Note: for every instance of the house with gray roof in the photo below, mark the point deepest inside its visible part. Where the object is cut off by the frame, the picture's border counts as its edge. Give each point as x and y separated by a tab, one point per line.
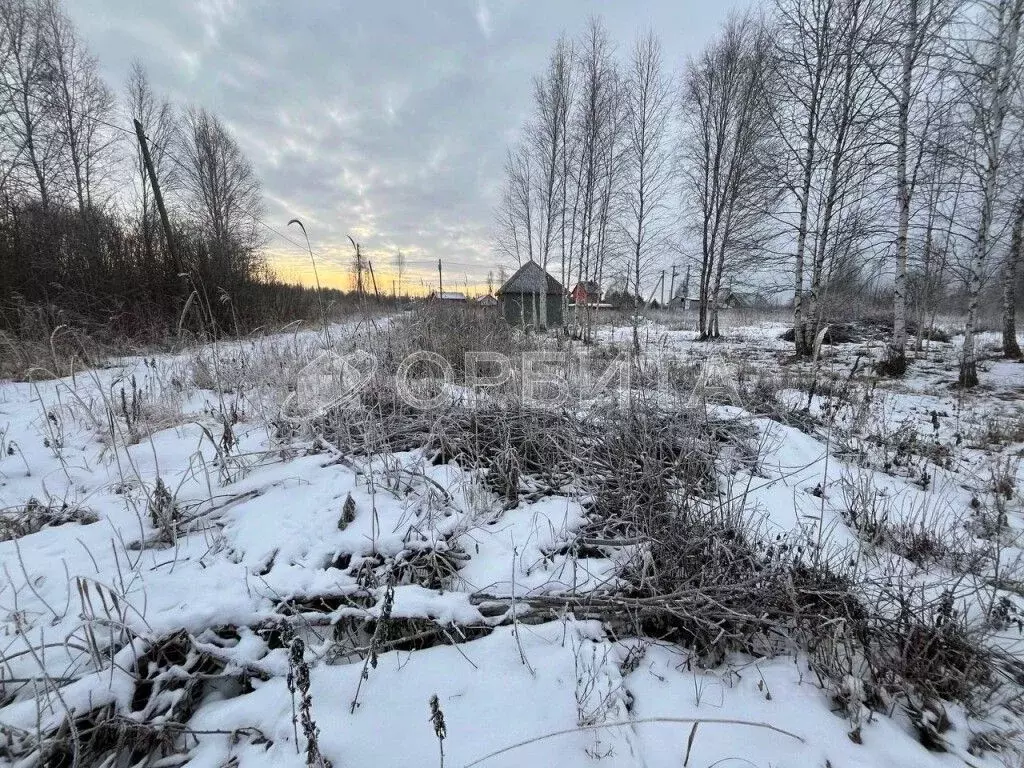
532	297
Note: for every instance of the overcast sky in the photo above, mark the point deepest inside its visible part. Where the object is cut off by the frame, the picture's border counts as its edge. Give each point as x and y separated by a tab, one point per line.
386	120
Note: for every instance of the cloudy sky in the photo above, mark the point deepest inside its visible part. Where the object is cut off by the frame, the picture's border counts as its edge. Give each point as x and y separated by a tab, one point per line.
386	120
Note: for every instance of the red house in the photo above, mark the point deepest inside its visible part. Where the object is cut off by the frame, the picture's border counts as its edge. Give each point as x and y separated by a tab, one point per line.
586	292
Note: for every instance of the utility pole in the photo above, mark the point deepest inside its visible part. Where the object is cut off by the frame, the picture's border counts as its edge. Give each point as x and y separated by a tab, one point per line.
440	281
359	268
376	293
661	284
663	287
672	285
159	198
686	289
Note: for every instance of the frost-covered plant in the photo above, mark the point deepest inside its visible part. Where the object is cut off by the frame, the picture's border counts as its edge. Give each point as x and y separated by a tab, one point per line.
440	729
348	513
298	680
597	696
34	515
381	634
163	511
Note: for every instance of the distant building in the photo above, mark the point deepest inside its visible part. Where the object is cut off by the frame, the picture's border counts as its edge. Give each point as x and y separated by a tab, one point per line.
729	300
735	300
586	292
452	296
532	297
487	301
680	301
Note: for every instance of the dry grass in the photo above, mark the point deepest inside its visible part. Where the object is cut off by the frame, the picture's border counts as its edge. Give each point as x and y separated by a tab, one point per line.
34	515
883	628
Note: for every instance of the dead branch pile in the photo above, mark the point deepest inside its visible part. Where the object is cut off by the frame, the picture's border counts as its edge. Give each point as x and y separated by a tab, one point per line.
695	571
170	677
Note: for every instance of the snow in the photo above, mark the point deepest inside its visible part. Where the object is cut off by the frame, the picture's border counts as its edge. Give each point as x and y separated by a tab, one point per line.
265	531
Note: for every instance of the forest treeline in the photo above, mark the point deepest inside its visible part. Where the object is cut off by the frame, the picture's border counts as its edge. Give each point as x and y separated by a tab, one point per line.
826	150
81	240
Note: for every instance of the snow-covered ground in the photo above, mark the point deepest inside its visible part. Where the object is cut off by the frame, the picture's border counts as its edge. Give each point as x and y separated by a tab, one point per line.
189	527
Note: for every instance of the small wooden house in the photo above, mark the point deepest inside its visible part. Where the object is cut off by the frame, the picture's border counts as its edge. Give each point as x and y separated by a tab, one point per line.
734	300
532	297
448	297
684	302
487	301
586	292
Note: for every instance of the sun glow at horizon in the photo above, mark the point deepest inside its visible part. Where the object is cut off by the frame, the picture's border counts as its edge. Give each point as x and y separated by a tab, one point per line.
415	281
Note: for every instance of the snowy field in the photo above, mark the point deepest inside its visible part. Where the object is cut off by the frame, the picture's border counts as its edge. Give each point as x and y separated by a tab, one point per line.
197	567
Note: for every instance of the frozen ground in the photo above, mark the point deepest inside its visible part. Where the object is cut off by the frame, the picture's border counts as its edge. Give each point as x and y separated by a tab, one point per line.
167	527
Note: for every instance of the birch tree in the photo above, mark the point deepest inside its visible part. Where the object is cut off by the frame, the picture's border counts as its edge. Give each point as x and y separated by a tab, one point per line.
82	106
546	144
727	153
942	185
647	97
596	124
531	211
829	100
28	119
919	25
1011	274
9	152
222	190
993	67
808	64
516	238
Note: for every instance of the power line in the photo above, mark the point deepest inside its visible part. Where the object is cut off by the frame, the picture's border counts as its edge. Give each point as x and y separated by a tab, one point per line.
77	113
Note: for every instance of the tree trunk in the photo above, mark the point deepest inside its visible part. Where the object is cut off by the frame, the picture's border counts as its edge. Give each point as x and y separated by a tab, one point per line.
33	155
716	289
1006	53
925	294
896	364
1011	347
803	348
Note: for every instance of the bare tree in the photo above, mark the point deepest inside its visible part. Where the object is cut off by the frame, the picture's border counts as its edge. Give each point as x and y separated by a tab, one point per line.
222	191
919	25
809	65
728	152
563	180
597	125
1011	268
83	105
546	143
28	118
647	97
569	172
1011	274
941	180
991	73
159	122
830	98
516	220
400	269
9	152
531	208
